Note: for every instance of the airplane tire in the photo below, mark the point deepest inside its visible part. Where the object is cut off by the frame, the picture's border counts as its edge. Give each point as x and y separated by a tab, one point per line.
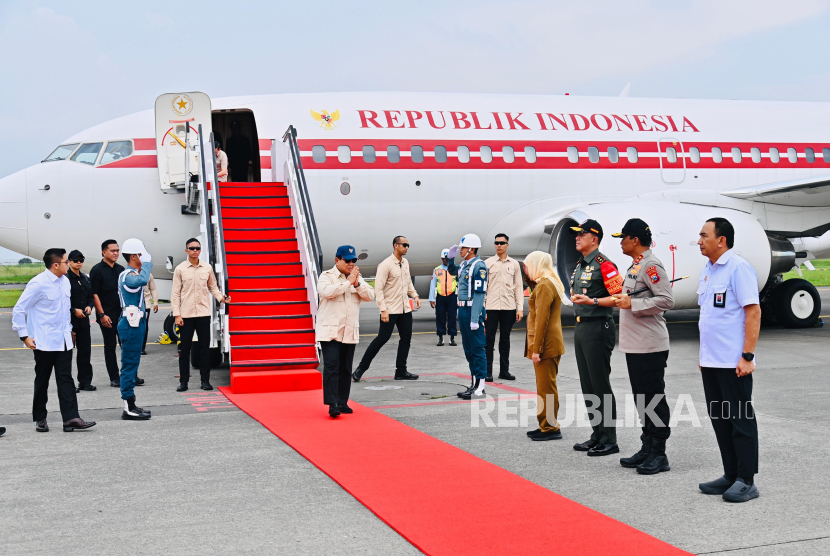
796	303
171	328
216	357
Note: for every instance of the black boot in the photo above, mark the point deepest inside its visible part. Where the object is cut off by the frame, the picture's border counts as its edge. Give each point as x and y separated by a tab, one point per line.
357	374
489	377
452	341
476	390
656	460
132	412
440	340
468	390
640	456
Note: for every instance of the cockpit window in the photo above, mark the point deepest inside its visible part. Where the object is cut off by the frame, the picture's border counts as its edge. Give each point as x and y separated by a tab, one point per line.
116	150
61	153
87	154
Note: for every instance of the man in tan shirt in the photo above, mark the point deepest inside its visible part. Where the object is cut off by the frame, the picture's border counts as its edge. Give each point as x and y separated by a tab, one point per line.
341	290
393	288
193	281
504	304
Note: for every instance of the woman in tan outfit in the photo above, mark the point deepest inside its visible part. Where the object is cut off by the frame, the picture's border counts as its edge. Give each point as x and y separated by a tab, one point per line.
545	344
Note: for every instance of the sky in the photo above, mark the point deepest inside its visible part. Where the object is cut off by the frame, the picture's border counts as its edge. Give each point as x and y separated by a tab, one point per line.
70	64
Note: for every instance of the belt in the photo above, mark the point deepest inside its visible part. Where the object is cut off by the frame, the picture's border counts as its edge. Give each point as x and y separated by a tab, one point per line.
589	319
465	303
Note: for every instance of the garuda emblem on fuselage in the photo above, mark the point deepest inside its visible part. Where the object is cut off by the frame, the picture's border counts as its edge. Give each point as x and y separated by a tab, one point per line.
326	120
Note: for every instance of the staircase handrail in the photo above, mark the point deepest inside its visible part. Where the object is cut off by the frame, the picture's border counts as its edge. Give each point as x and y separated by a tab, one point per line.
204	202
290	137
217	207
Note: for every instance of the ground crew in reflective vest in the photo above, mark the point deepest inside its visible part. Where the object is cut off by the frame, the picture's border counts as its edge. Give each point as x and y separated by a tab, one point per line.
132	323
594	281
443	299
472	288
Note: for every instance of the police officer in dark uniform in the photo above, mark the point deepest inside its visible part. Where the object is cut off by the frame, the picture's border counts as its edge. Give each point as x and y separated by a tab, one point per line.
594	281
81	302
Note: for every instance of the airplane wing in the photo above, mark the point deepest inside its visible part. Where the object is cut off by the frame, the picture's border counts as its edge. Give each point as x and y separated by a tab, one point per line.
804	192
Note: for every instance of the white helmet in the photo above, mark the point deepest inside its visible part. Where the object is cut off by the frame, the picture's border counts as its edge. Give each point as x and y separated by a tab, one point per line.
470	240
445	253
133	246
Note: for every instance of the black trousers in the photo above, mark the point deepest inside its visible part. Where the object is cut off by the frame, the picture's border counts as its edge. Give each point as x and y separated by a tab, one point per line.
146	328
83	345
110	341
403	321
61	361
647	371
729	404
337	371
446	311
202	327
593	343
503	320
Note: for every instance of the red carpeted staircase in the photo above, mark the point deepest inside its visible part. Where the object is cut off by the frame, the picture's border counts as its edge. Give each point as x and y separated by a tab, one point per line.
270	322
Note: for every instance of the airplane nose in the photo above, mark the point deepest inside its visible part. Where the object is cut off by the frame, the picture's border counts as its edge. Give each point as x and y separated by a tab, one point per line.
13	225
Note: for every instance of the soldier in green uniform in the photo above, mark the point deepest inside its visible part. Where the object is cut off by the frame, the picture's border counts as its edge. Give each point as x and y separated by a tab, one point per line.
594	281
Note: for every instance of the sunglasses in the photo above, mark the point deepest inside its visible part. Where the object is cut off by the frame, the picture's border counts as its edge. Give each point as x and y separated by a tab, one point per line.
499	243
349	261
194	248
403	245
78	260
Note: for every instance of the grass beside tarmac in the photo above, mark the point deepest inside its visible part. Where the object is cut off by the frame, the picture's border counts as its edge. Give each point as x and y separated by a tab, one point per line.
19	274
9	297
818	277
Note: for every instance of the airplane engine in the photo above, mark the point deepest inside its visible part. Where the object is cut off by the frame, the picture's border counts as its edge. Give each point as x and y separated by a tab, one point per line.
675	228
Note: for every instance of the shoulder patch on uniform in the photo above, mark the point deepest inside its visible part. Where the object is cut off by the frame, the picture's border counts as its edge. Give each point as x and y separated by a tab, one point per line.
639	258
652	273
600	259
611	277
483	273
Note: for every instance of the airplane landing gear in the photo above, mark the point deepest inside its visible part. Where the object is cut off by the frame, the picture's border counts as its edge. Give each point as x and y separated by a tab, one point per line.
793	303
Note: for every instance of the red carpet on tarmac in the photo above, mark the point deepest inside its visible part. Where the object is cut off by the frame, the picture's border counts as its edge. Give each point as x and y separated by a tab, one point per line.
436	495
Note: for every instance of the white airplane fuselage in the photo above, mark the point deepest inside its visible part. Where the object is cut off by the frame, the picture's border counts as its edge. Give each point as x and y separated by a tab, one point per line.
465	163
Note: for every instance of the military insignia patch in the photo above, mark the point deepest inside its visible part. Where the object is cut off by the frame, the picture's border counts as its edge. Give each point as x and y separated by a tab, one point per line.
483	273
652	273
600	259
638	259
611	277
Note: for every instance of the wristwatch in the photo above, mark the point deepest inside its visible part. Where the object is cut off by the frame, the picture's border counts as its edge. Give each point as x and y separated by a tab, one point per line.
748	356
596	301
23	338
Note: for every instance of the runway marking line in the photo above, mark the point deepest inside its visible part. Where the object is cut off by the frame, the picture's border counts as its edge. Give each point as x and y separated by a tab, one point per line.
433	493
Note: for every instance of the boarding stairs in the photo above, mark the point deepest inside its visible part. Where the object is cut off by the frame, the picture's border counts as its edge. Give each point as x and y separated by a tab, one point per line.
267	257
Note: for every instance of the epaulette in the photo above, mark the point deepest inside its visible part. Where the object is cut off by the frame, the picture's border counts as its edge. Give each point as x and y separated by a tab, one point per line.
600	259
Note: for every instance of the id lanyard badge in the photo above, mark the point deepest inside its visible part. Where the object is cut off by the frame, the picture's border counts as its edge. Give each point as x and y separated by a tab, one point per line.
720	300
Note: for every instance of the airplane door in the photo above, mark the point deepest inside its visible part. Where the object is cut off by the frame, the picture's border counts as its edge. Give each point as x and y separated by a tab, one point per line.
672	160
178	116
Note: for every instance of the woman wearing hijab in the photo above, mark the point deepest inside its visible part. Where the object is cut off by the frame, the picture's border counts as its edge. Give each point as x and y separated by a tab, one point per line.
545	344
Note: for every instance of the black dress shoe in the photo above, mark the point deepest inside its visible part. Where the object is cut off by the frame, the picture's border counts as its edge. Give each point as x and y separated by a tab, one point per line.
488	378
143	352
452	341
604	450
181	387
42	426
531	433
77	424
585	446
357	374
406	376
87	388
115	383
344	408
206	386
440	341
506	376
139	381
550	435
2	431
334	411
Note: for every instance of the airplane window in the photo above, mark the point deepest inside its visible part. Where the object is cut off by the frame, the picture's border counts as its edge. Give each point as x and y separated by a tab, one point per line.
417	153
368	154
530	154
810	154
88	153
318	154
61	153
736	155
463	154
756	155
774	156
694	154
593	154
440	154
344	154
613	155
826	152
486	154
393	154
632	154
508	154
671	155
717	155
573	155
116	150
792	155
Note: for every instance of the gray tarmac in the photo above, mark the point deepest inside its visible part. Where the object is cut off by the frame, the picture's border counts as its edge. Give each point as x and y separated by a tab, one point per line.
201	477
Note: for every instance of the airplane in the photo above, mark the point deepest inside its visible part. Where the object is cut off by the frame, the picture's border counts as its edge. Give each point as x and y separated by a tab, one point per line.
434	167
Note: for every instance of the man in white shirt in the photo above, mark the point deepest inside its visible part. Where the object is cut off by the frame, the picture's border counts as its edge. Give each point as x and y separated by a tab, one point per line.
730	320
41	319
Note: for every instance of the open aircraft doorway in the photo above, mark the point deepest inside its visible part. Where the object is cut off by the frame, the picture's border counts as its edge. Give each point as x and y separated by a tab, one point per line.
236	129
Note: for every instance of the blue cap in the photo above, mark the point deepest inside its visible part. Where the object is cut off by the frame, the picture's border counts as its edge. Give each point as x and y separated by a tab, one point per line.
346	252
